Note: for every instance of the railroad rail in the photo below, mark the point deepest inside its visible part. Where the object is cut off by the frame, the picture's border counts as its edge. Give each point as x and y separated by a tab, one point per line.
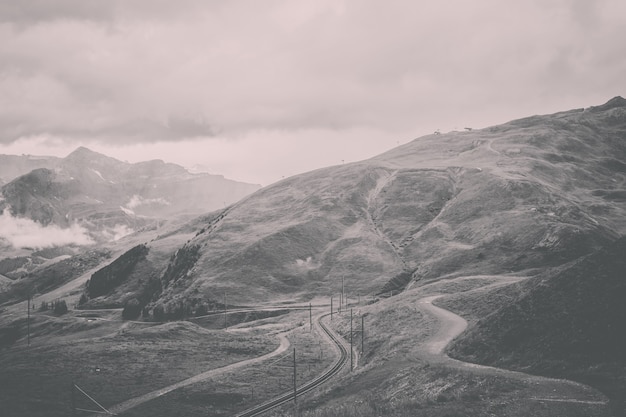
341	347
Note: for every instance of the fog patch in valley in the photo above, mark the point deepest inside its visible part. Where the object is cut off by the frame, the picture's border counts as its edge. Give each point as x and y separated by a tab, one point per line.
25	233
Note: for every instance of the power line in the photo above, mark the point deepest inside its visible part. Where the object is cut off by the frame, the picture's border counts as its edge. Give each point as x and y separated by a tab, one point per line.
104	410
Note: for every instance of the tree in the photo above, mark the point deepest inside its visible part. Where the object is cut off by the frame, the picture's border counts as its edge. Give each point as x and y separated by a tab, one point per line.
60	307
83	299
132	309
158	312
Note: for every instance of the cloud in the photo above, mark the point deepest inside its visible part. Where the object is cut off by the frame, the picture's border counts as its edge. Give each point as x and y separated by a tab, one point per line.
137	200
116	232
148	71
35	11
25	233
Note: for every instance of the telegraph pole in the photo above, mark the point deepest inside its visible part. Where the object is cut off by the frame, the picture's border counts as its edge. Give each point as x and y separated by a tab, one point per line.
343	295
28	319
73	400
331	307
362	335
310	319
294	375
351	360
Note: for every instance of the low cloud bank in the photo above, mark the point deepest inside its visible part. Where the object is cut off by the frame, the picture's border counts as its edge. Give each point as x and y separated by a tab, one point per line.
117	232
138	200
25	233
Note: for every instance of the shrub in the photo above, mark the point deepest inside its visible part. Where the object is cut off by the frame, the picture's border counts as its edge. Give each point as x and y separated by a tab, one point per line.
132	309
60	307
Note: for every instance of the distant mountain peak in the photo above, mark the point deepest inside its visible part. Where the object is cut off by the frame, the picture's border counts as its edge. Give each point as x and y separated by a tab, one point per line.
82	152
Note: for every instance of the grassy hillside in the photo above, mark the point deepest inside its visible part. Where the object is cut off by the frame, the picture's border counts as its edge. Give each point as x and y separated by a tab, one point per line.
48	277
567	324
530	194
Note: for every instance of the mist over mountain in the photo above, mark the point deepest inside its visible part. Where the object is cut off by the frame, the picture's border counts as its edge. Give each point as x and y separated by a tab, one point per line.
104	198
13	166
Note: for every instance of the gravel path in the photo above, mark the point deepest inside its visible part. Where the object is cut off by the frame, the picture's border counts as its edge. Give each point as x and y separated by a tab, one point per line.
451	325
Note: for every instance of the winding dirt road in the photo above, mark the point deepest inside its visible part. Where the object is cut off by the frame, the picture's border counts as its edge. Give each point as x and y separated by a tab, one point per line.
452	325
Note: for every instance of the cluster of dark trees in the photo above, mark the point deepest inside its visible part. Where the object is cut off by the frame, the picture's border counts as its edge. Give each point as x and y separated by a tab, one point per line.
58	307
181	309
106	279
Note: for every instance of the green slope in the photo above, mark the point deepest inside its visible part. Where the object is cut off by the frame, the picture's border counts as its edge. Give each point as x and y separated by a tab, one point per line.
533	193
568	324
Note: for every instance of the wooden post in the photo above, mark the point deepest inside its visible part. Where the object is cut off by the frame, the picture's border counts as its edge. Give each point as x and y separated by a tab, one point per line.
362	335
73	399
28	320
294	375
343	294
351	360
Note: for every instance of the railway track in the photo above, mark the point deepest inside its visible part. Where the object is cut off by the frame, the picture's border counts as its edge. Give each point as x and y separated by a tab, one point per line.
341	347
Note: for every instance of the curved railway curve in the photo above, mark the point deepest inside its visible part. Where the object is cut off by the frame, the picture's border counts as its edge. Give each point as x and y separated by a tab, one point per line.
341	348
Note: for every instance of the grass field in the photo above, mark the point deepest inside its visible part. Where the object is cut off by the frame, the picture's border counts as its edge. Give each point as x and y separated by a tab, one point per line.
240	390
112	361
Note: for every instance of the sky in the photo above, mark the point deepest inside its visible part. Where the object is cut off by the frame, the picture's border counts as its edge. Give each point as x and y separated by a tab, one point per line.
260	90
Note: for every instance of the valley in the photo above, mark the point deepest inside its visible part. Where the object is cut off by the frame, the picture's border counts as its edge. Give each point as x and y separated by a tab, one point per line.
482	270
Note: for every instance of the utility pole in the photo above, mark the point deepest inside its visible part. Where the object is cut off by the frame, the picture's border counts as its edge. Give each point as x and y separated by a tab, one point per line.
28	319
310	319
362	335
343	294
351	360
224	311
294	375
73	400
340	302
331	307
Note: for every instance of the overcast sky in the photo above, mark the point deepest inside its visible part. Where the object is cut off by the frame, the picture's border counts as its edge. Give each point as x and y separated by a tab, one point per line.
256	90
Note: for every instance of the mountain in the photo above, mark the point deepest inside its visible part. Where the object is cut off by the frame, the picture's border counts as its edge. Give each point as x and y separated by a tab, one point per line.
524	196
108	197
517	227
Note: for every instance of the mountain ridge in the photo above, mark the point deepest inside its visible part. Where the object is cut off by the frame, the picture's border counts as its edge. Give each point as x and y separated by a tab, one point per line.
102	194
